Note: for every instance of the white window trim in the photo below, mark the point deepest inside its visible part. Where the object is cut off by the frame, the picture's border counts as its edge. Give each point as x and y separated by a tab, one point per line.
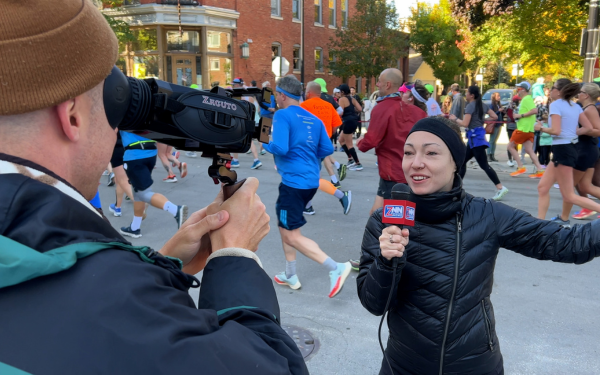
278	10
347	15
299	19
299	56
319	24
218	60
334	14
322	70
277	17
320	20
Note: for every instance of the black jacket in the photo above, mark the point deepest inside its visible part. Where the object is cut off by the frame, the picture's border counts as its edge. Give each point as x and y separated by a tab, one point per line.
113	313
441	319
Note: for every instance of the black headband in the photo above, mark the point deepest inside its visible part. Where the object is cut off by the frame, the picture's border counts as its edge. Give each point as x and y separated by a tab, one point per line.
449	136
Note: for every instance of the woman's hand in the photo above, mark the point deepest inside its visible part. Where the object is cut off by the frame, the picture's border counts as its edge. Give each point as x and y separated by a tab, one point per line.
452	117
392	242
538	126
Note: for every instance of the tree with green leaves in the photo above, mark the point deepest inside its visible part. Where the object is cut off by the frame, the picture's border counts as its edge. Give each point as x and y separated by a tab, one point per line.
371	43
434	33
120	27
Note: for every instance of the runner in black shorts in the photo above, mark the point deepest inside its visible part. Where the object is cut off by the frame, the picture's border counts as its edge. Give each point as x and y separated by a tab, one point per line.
121	180
588	154
140	158
385	188
567	121
350	123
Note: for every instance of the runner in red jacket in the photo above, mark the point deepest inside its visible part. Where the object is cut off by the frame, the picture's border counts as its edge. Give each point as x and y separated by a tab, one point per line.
391	120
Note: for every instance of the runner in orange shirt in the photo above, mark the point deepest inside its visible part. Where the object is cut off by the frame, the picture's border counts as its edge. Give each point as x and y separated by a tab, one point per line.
331	120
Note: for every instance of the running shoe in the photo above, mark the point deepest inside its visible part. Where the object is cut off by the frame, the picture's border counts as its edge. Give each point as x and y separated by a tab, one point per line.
336	184
127	231
263	152
556	186
511	163
183	169
592	197
191	154
338	277
584	214
500	193
182	215
356	167
519	171
115	210
175	154
105	173
342	171
292	282
563	223
257	164
309	211
355	264
170	179
111	179
346	201
127	198
350	163
537	174
249	151
235	164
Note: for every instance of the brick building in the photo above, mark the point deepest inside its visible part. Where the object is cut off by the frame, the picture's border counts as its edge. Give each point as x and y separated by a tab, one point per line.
214	32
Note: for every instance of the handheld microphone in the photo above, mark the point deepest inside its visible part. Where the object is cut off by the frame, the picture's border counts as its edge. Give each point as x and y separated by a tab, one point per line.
398	211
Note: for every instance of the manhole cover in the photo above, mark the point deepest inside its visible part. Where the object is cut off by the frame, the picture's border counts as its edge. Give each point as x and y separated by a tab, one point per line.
307	344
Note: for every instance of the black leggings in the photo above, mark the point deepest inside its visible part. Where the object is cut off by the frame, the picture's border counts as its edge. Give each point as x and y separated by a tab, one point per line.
481	157
510	132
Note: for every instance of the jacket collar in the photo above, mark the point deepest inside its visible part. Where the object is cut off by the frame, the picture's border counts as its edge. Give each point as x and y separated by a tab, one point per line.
14	165
439	207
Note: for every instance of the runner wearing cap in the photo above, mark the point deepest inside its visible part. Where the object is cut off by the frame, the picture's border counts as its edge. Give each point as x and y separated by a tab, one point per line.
524	135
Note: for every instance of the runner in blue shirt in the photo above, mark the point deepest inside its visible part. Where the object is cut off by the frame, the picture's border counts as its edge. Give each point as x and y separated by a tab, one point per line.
299	143
139	160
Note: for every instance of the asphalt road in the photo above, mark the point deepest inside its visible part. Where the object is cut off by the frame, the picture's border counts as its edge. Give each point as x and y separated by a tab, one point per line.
546	313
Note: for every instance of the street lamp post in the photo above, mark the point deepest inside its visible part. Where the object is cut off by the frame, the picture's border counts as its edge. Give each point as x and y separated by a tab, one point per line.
591	51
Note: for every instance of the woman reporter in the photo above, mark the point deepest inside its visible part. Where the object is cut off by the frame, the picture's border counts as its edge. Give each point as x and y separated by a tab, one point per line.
441	318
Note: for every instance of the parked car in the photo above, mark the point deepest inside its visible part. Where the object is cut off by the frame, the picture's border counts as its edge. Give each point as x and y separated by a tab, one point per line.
505	96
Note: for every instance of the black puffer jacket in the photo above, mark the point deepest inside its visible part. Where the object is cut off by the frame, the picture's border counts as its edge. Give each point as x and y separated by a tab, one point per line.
441	318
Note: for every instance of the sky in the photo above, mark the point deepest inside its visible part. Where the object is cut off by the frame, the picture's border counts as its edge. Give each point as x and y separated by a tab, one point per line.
403	6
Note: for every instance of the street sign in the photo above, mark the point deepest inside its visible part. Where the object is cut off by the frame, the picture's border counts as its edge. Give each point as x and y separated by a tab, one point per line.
280	66
479	77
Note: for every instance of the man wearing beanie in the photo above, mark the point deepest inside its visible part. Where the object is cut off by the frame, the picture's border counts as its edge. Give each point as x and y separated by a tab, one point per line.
75	297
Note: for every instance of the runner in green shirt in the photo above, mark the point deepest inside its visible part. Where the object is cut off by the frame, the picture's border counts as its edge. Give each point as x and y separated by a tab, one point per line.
524	135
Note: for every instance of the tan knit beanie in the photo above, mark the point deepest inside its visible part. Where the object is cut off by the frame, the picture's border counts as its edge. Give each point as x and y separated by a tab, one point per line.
51	51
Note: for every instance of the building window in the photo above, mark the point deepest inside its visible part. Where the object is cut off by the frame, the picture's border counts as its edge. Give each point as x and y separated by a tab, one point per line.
220	71
215	64
332	12
189	42
276	8
218	41
296	9
344	13
318	59
145	40
275	51
318	12
296	57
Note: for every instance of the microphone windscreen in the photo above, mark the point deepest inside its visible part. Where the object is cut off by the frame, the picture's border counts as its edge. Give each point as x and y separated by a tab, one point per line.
400	192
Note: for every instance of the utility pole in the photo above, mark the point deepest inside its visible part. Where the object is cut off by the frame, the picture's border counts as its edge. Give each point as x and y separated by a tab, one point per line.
591	50
302	40
499	75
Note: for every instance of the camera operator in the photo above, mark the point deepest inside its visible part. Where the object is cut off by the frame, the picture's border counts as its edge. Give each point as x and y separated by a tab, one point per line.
442	319
75	297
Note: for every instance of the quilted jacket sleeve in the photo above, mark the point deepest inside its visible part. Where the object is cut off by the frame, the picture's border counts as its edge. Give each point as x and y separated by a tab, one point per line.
544	240
375	277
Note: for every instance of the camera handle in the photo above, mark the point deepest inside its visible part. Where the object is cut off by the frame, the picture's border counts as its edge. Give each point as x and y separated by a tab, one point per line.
220	171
